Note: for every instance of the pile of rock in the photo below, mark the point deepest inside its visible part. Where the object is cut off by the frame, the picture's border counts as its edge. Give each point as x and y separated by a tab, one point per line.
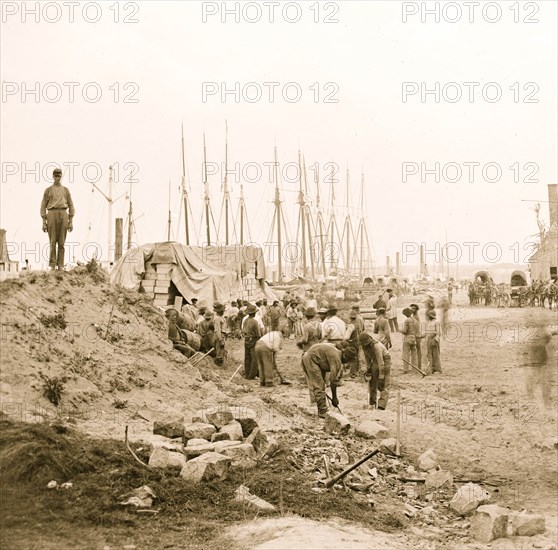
217	439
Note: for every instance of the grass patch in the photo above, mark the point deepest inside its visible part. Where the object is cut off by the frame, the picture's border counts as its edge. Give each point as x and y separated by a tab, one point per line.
103	472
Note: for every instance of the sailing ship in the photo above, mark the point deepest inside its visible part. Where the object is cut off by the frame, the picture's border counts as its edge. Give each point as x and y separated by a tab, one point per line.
320	250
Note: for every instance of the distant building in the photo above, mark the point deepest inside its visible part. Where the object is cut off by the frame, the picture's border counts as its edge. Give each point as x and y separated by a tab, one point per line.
8	268
544	262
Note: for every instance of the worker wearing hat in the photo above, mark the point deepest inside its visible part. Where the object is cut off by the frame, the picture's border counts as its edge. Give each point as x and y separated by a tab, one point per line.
420	337
352	332
319	360
381	328
391	311
57	211
180	333
378	372
274	315
333	328
206	330
252	333
311	330
410	331
221	332
433	333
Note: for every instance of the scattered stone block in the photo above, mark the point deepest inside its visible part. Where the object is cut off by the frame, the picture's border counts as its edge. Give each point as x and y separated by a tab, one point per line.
218	416
207	467
142	497
248	425
388	446
170	426
265	445
428	511
240	412
220	436
164	442
336	424
410	510
438	479
428	460
198	430
163	458
198	450
242	494
489	522
371	430
196	442
549	444
221	445
234	429
243	455
468	498
527	525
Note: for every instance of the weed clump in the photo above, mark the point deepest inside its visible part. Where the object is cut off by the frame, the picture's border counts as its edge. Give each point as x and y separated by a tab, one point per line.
53	387
53	321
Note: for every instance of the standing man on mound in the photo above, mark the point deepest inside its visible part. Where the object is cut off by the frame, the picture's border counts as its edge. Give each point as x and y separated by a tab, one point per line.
57	211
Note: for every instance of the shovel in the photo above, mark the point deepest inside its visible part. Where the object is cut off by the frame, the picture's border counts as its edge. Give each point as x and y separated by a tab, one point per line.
331	400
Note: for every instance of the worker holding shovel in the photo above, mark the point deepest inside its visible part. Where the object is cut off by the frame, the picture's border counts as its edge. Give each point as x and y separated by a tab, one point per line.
319	360
378	373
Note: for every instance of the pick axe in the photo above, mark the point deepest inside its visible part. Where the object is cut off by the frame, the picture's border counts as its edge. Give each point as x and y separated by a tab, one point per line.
416	368
333	480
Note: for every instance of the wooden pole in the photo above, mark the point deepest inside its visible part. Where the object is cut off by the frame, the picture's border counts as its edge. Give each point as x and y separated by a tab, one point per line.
118	224
398	425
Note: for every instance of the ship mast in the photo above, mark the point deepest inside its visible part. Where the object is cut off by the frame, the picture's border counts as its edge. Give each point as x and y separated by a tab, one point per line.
347	230
206	194
320	221
226	193
185	193
333	229
302	216
362	235
309	223
169	221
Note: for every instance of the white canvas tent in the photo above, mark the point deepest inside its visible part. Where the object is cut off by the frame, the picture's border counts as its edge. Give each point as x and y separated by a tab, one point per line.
213	273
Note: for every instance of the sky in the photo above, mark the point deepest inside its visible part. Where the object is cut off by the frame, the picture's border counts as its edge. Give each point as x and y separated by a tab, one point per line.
356	75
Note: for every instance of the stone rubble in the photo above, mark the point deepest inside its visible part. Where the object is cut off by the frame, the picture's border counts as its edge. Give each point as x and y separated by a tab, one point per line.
336	424
169	426
234	429
243	456
371	430
428	460
198	430
527	525
439	478
218	416
468	498
489	522
142	497
164	458
207	467
243	495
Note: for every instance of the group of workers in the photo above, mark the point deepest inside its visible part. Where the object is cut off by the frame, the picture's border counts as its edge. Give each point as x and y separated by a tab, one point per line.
329	345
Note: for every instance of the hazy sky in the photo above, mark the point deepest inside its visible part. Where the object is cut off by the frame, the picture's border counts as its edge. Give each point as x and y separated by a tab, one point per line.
363	61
